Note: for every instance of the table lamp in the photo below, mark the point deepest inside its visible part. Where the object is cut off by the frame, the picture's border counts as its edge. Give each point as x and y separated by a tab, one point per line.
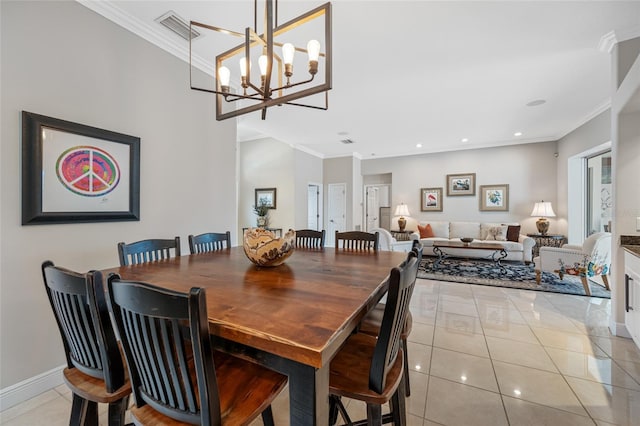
402	210
543	210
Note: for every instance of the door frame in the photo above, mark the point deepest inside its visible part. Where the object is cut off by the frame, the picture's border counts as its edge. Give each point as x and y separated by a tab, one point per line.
320	204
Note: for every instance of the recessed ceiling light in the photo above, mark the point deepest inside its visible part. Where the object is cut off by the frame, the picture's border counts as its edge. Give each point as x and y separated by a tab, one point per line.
464	140
418	145
537	102
517	134
343	133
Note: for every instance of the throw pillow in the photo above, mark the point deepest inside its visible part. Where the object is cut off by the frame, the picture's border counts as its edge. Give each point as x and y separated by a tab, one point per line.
497	233
425	231
513	233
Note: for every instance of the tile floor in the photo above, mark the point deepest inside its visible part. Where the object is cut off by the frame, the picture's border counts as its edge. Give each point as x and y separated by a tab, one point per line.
485	356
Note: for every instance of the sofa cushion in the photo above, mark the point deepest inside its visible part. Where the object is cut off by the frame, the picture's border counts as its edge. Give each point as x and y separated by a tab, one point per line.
497	233
513	233
484	228
425	231
440	229
464	229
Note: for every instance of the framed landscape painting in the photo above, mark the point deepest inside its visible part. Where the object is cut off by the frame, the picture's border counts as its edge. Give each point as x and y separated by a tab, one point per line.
431	199
494	198
461	184
76	173
266	196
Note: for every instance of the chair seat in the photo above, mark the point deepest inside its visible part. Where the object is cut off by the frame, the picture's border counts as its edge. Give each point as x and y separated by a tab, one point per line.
350	368
91	388
370	324
251	386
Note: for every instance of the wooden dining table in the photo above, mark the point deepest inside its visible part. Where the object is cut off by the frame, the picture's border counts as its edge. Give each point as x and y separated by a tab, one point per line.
292	318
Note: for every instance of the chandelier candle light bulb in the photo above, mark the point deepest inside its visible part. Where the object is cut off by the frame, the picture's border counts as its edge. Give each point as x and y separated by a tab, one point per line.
225	76
313	49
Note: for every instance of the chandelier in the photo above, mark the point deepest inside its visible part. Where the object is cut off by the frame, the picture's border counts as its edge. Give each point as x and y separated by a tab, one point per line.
240	88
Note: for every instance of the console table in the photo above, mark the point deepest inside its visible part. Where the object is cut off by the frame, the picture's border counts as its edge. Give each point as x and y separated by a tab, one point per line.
277	231
546	240
401	235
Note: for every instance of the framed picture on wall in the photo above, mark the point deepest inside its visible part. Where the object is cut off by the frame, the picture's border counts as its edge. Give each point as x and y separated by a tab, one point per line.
461	184
494	198
266	196
76	173
431	199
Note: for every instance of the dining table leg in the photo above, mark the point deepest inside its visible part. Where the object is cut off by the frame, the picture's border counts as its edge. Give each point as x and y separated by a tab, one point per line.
308	385
309	395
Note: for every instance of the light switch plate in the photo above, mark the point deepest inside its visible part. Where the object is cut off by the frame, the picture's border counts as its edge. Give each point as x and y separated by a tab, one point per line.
638	224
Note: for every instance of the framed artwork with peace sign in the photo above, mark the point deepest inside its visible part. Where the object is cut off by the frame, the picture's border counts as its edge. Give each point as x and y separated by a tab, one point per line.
77	173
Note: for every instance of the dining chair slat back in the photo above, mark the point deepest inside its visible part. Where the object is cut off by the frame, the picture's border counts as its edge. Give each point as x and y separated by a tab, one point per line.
401	284
357	241
373	320
147	251
310	239
95	371
175	373
368	368
210	241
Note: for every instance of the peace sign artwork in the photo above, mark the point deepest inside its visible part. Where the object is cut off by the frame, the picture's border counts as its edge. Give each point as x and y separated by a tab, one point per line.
77	173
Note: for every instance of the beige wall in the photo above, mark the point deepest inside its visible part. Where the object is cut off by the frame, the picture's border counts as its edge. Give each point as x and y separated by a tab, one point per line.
528	169
266	163
62	60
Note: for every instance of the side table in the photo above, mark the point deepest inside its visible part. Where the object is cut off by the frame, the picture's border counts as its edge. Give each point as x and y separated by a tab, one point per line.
401	235
546	240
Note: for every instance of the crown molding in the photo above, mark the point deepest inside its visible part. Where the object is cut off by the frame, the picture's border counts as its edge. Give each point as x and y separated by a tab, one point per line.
141	29
609	40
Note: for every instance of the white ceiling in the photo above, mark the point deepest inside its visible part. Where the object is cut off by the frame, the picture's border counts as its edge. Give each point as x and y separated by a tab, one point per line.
430	73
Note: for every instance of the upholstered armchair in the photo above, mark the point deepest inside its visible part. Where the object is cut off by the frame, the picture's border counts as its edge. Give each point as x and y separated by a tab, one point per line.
591	259
386	240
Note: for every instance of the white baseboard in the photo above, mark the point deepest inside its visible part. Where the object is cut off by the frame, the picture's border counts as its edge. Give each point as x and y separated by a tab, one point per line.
619	329
33	386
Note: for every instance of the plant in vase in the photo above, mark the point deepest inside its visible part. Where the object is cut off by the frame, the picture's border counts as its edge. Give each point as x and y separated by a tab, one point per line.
262	211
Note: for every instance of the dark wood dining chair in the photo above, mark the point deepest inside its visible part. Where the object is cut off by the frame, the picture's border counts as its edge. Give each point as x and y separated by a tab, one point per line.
95	371
176	376
309	238
373	321
369	368
357	241
147	251
211	241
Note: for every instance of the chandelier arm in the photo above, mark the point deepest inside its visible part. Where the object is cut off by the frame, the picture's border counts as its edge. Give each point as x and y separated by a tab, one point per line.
326	103
324	108
254	96
287	86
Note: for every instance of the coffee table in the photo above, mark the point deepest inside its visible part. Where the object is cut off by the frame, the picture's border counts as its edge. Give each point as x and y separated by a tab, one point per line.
446	249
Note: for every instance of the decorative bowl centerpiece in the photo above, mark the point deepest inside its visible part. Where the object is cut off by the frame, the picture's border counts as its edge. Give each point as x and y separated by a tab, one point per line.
264	249
466	240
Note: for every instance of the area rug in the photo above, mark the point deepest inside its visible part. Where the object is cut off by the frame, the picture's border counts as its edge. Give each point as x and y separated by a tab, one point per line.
514	275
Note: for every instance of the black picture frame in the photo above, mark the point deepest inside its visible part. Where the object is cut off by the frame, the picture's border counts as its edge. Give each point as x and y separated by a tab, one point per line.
93	205
268	195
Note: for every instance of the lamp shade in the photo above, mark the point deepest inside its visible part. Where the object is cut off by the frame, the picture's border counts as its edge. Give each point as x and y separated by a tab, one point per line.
402	210
543	209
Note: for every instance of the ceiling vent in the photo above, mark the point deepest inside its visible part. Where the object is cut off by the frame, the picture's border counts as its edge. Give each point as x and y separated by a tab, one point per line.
178	25
347	141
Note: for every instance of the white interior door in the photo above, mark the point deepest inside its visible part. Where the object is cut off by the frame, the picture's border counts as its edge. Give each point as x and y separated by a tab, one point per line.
372	209
336	210
313	208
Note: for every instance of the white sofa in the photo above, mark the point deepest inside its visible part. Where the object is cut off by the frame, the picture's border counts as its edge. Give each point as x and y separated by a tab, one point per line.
520	250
